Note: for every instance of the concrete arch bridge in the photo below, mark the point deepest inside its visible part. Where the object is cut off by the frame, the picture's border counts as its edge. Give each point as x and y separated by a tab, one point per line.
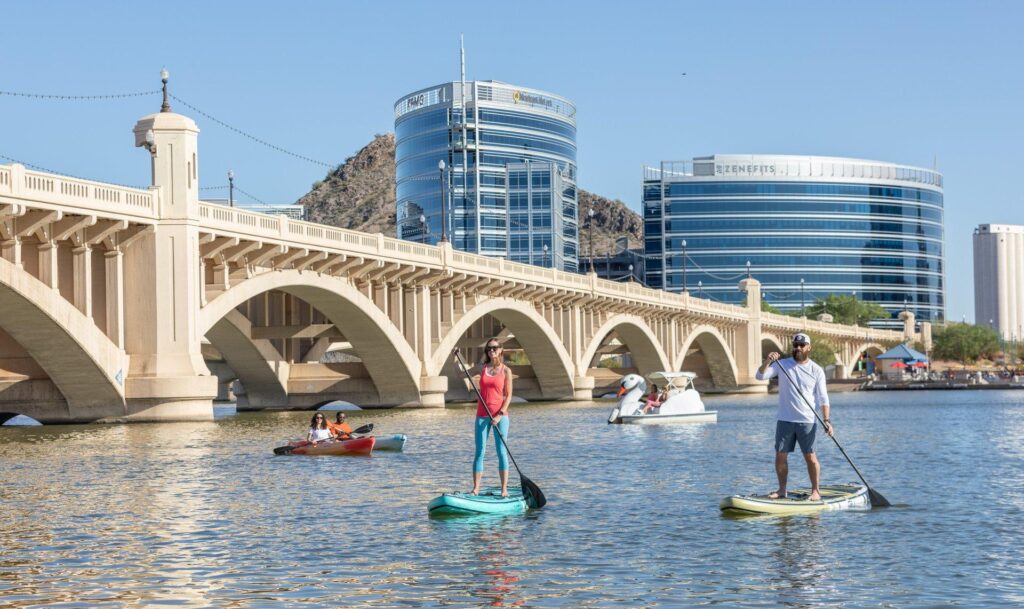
121	304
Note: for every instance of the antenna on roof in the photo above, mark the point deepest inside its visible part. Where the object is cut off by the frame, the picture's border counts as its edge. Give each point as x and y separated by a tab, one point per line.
462	60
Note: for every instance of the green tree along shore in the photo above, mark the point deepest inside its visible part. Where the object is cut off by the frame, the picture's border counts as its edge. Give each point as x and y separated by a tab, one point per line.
964	343
847	309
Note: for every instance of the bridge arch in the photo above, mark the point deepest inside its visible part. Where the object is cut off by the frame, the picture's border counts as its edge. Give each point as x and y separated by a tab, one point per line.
548	356
81	361
771	342
719	358
638	336
395	369
873	349
260	368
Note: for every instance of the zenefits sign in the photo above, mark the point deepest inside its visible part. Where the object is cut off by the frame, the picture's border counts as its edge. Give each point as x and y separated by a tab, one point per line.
744	169
534	100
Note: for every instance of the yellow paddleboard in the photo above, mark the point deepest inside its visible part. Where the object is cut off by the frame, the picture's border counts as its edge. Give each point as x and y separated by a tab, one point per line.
834	497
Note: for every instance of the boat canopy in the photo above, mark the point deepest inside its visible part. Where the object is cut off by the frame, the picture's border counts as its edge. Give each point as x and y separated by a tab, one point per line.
670	377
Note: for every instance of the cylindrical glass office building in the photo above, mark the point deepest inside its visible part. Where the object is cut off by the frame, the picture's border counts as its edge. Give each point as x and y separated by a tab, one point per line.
808	226
510	171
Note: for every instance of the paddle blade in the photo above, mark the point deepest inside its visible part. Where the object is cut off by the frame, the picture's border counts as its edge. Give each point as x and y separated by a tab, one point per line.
614	415
364	429
877	500
283	450
532	494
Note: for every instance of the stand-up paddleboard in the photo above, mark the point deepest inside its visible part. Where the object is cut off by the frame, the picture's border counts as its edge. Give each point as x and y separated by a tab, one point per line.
489	501
834	497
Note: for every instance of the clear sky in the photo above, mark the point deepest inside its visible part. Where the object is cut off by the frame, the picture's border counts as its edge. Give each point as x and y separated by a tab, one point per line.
915	83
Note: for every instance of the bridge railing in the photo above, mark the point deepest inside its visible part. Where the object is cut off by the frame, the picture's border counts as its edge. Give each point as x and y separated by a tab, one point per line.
78	196
821	327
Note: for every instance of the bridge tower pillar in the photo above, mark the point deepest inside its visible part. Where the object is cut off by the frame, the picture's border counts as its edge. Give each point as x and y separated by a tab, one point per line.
748	339
167	378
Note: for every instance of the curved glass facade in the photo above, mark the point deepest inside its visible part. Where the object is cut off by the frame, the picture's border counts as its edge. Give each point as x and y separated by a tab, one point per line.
510	177
808	227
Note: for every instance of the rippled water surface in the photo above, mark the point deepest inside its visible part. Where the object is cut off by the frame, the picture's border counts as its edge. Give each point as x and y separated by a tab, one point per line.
203	514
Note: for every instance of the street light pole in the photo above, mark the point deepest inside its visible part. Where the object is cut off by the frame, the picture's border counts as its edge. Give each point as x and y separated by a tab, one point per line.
231	188
803	305
590	213
444	222
684	265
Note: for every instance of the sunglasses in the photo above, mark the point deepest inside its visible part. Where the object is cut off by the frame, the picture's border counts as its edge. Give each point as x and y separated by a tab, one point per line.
799	344
493	347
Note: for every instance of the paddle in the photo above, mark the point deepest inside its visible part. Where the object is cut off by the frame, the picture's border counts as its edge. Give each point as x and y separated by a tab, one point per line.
531	492
877	500
614	415
287	449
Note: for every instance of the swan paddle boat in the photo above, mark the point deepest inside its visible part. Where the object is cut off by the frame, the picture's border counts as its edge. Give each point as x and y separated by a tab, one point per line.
833	497
682	406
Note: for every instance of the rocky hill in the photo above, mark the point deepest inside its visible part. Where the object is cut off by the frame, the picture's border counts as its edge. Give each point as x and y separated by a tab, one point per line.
360	195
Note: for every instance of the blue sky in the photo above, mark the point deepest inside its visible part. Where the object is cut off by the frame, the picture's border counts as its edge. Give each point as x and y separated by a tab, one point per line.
907	82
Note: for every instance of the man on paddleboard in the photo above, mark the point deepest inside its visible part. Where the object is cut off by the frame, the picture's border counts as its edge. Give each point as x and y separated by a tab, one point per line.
795	421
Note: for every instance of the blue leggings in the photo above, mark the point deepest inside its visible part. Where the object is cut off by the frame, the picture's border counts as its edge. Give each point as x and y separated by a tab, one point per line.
482	425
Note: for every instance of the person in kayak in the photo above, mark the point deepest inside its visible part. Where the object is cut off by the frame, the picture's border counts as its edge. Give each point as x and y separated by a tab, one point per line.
341	429
795	422
318	429
496	391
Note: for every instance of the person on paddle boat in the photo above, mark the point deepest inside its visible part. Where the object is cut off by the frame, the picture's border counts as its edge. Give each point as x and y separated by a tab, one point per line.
318	429
341	429
496	391
653	399
795	423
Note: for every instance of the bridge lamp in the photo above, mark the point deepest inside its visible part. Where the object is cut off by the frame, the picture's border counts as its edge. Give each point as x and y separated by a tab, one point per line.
545	248
423	228
802	305
700	289
231	187
590	213
164	77
631	273
444	223
684	265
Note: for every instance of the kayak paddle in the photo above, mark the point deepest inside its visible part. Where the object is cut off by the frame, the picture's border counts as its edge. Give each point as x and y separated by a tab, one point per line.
877	500
531	492
288	448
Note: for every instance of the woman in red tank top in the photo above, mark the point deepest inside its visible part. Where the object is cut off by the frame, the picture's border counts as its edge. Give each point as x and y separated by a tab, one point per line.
496	391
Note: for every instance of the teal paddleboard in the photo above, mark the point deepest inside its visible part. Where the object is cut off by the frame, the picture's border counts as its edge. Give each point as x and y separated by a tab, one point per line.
489	501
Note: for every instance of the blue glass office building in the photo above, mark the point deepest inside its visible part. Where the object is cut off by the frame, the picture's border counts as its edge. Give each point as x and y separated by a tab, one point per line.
809	227
510	171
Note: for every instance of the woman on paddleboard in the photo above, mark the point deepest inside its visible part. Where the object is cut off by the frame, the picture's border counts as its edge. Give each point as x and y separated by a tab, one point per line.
496	391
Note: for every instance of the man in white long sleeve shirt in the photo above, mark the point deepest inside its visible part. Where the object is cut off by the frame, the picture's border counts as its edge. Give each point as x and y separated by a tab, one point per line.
795	418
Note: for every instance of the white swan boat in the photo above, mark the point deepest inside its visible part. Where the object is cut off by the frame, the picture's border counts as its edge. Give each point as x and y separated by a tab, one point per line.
682	406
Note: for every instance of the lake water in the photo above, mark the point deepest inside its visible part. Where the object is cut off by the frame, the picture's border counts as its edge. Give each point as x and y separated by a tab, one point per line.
204	515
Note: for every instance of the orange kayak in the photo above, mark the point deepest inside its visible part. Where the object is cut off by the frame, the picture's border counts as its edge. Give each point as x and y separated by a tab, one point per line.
355	446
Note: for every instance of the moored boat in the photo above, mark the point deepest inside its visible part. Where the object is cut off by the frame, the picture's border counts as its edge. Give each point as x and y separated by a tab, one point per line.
489	501
833	497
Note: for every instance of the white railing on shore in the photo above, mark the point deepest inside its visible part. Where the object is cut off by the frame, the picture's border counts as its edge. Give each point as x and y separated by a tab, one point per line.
78	196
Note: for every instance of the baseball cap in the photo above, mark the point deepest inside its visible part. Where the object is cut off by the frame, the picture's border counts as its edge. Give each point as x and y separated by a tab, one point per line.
800	337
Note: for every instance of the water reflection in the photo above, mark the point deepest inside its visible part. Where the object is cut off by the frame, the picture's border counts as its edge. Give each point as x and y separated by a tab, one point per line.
205	515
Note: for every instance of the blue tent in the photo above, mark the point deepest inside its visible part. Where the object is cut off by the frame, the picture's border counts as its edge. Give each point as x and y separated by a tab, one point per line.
904	353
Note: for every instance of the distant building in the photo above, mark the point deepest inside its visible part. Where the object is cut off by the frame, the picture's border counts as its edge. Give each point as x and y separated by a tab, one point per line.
999	278
510	171
809	227
292	210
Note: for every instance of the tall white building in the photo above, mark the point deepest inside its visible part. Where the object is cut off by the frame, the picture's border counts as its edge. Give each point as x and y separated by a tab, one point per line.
999	278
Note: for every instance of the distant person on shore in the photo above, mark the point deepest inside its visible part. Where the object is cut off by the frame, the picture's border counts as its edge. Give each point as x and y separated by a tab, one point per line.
795	421
341	429
318	429
496	391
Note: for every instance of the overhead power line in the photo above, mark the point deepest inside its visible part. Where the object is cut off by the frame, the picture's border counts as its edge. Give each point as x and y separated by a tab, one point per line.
78	97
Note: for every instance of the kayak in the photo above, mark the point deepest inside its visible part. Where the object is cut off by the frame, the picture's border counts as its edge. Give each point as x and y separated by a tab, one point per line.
394	443
355	446
489	501
834	497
